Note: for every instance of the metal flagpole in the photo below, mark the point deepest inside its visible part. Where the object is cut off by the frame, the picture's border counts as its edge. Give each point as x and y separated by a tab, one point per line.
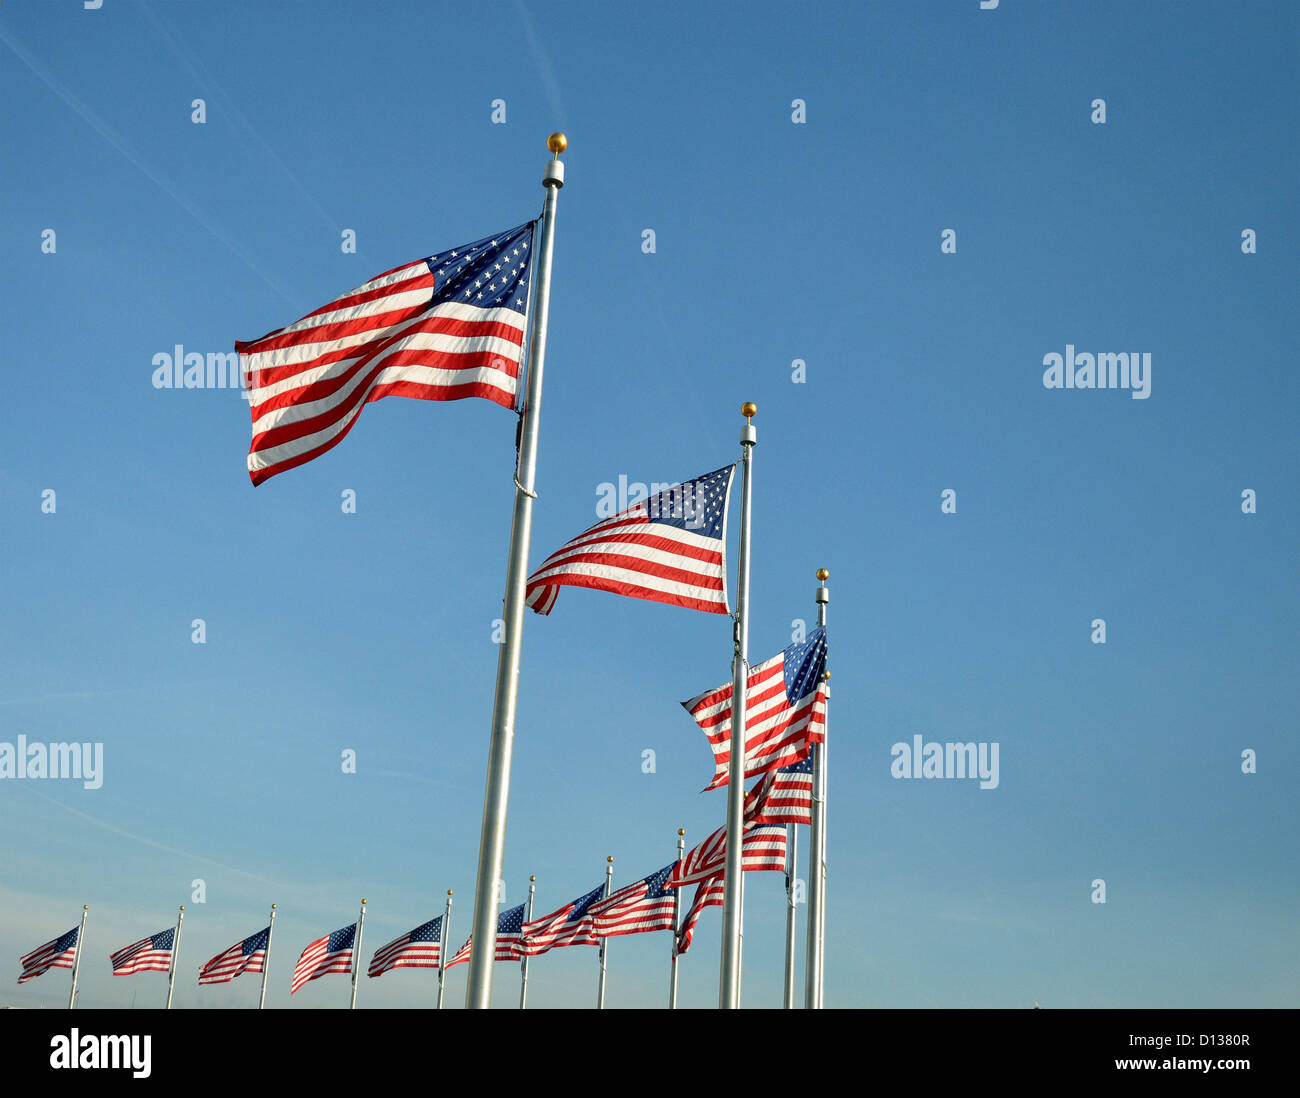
604	942
76	956
732	900
523	965
677	921
791	875
816	960
266	961
176	952
442	948
356	954
492	842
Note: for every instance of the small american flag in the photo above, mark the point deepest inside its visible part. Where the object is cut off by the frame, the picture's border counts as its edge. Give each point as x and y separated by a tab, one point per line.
421	948
569	926
332	953
152	954
443	328
785	711
58	953
246	956
640	907
709	893
510	925
785	796
668	548
761	848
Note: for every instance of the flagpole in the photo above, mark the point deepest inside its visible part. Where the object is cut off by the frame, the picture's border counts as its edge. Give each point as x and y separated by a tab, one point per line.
604	942
816	960
266	961
791	875
523	965
442	949
732	900
176	953
356	954
76	956
677	922
496	798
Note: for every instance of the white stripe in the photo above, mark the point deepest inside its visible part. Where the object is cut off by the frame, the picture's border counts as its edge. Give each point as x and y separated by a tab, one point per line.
639	579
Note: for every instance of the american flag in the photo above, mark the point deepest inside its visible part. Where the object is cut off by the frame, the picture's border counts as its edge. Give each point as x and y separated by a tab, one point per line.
58	953
443	328
246	956
761	848
332	953
785	711
785	796
152	954
421	948
637	908
510	925
668	548
569	926
709	893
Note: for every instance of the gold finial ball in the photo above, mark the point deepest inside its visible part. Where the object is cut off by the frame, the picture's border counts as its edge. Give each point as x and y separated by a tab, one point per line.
610	858
749	409
182	907
363	899
85	907
449	892
823	574
532	878
826	675
273	907
557	143
681	831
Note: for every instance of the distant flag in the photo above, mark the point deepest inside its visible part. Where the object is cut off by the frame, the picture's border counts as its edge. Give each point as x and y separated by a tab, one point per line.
570	925
785	796
443	328
246	956
59	953
639	907
421	948
785	711
709	893
668	548
763	848
510	924
152	954
332	953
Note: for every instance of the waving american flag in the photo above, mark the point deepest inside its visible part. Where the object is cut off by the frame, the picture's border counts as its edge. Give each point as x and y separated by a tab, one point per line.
58	953
510	925
152	954
668	548
246	956
420	948
570	925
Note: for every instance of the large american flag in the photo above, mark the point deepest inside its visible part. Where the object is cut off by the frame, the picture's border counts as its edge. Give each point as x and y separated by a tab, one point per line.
710	892
510	925
151	954
640	907
246	956
668	548
761	848
569	926
58	953
785	710
421	948
785	796
332	953
443	328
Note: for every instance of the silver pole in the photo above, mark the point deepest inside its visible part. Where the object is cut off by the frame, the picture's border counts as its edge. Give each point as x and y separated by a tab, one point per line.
266	961
76	955
442	948
815	967
356	954
492	842
791	875
604	942
176	952
523	965
677	922
733	898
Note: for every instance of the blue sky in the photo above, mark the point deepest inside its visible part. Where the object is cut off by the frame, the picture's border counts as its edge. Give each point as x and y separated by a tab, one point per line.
775	241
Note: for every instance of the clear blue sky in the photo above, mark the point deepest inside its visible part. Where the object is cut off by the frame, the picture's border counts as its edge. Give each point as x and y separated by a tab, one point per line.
775	241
